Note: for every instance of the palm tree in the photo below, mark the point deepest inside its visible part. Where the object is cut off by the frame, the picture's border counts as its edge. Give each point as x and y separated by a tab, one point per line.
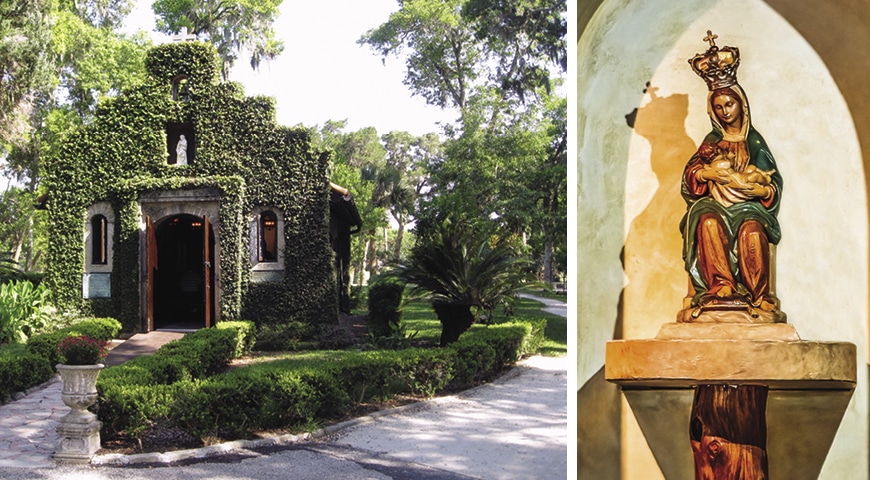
461	269
10	270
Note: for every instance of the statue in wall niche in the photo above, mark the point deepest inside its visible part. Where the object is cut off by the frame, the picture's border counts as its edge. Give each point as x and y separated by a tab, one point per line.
732	189
181	151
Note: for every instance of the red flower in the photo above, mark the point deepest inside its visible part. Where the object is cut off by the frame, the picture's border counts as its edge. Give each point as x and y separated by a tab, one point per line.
82	350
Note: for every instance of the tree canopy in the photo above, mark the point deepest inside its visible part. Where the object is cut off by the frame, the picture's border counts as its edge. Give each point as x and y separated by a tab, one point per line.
83	62
25	70
504	165
230	25
108	14
386	175
524	38
57	60
451	47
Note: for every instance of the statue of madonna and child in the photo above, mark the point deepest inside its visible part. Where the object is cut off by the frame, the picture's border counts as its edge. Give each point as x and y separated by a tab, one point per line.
732	189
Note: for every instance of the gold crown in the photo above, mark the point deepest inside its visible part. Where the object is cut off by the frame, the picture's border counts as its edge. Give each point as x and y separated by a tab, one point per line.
717	66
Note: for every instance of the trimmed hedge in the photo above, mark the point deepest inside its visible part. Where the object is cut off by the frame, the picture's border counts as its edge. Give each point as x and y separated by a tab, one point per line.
143	388
253	398
196	355
484	351
20	369
45	345
25	366
384	306
536	336
292	391
246	335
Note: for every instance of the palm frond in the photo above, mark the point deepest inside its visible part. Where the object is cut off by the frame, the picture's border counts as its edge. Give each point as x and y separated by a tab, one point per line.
459	266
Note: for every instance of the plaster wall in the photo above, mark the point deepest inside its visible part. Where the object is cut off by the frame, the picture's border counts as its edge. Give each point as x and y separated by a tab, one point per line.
629	204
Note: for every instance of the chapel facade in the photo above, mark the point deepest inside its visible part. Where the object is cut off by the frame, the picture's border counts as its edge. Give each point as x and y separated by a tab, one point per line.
184	203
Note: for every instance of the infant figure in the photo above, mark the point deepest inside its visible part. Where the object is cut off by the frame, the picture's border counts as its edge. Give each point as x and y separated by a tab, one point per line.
731	191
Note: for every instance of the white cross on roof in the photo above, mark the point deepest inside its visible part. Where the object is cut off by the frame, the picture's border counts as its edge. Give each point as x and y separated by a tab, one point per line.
183	36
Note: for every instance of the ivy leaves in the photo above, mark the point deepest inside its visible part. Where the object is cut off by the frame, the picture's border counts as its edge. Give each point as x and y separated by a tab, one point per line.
240	151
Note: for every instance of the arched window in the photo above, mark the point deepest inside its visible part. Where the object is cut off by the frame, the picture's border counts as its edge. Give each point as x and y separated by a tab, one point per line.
99	240
179	88
266	244
98	229
268	237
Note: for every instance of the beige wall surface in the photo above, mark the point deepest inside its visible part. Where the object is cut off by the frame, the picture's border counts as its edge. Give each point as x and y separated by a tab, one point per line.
629	204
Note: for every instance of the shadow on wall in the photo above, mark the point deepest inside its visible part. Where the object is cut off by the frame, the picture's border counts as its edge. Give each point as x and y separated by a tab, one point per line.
657	282
652	257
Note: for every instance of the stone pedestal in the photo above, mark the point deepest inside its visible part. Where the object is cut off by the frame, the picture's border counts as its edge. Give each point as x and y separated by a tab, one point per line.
810	385
78	435
684	355
77	442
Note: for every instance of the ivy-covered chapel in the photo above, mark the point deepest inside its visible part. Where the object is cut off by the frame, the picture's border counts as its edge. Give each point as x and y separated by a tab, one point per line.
183	203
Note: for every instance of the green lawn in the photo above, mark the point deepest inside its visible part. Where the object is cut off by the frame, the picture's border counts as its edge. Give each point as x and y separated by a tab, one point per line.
419	317
545	293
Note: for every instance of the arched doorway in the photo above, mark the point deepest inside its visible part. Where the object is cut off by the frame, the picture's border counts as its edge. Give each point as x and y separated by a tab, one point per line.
180	262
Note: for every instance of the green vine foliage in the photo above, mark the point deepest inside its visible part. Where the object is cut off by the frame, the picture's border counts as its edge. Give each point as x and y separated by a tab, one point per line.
241	154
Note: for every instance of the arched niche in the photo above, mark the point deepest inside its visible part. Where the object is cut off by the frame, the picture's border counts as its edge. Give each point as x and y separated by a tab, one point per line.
181	88
180	134
99	232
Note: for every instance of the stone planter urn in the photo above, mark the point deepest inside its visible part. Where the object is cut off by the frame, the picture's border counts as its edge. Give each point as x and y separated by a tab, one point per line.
78	435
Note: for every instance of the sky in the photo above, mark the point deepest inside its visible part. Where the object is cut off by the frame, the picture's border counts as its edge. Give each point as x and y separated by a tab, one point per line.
323	74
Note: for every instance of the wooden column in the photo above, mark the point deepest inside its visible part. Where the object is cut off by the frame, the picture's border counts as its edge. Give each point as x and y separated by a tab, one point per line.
728	431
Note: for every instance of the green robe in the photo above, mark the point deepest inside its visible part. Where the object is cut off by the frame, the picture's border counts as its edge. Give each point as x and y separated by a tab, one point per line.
733	216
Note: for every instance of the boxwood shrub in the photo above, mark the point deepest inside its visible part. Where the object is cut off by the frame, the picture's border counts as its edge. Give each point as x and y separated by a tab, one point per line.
246	335
20	369
175	387
473	362
484	351
45	345
256	398
134	393
535	338
196	355
384	306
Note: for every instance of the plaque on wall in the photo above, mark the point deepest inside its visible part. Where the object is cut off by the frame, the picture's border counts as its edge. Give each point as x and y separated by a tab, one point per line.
263	276
97	285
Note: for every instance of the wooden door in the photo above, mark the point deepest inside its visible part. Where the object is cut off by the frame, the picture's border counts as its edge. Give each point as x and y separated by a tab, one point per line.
206	263
150	272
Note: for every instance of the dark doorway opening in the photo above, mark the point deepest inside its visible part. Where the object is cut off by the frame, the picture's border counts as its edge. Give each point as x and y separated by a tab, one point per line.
183	279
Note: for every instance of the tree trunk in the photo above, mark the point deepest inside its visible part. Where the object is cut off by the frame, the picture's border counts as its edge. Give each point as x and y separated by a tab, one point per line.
548	261
28	262
397	248
455	320
372	258
728	432
16	249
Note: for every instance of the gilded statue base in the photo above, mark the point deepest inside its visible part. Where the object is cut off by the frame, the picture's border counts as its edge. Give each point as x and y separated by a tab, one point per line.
728	310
